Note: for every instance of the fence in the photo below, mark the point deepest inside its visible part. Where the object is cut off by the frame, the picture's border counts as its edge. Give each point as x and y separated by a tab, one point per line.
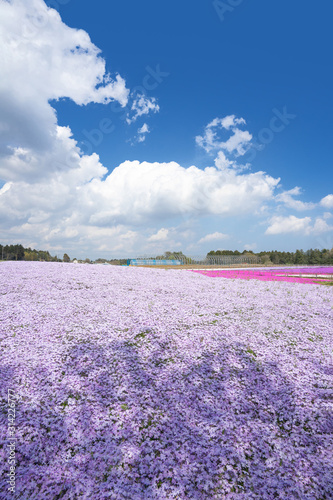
231	260
221	260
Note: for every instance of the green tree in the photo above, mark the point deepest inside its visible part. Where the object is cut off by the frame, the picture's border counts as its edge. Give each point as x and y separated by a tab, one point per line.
300	257
266	259
313	257
66	258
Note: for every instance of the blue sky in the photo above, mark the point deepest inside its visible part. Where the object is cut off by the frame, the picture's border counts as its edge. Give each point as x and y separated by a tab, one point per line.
168	176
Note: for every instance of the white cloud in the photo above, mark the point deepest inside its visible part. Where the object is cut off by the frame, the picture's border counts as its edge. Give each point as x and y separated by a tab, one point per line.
228	122
6	187
56	192
132	195
44	60
327	202
142	132
142	105
223	163
161	235
144	129
237	143
141	191
292	224
37	47
213	237
287	198
63	197
321	226
250	246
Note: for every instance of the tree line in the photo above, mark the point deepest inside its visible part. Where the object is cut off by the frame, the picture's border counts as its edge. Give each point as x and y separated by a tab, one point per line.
18	252
300	257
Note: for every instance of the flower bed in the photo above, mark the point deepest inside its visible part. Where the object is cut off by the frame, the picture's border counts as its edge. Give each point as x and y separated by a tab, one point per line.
146	384
293	275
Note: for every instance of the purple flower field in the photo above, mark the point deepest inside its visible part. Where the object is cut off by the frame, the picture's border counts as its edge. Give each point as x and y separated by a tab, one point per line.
144	384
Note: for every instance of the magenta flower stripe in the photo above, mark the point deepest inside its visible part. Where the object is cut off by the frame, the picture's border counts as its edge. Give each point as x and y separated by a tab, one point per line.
293	275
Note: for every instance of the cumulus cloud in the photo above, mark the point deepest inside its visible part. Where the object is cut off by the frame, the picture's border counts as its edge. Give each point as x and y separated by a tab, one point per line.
327	202
321	226
287	198
161	235
237	143
292	224
223	163
213	237
132	195
42	60
30	164
56	195
137	192
52	60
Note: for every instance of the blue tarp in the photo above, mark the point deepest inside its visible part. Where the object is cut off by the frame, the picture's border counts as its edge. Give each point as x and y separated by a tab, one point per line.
154	262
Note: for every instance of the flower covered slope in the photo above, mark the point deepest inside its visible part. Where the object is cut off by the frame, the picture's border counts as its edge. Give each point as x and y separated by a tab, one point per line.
160	384
293	274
